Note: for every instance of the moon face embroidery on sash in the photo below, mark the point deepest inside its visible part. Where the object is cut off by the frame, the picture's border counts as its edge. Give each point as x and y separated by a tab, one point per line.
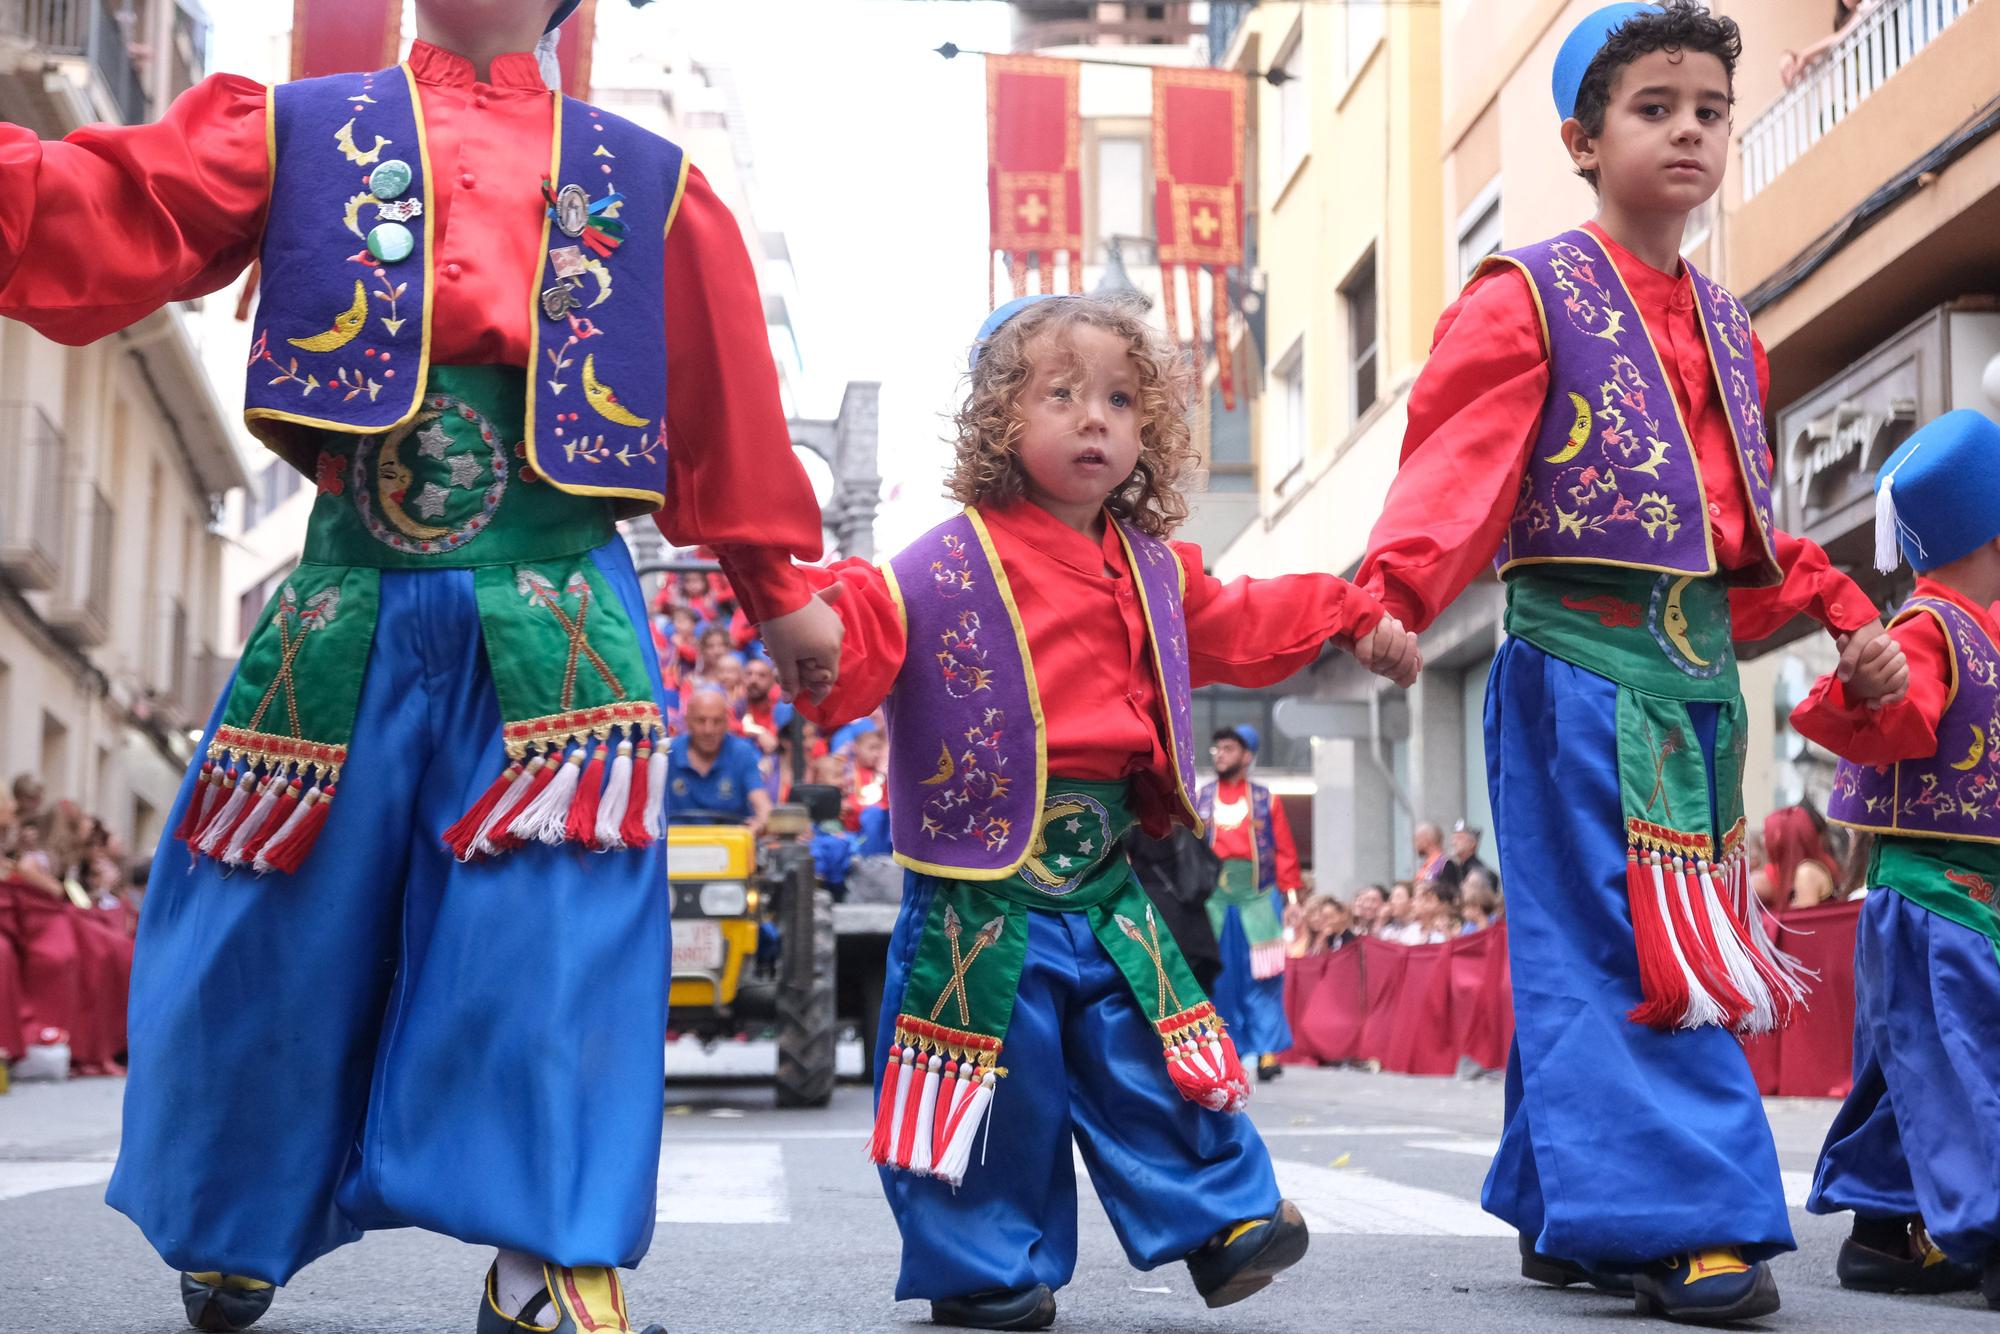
1082	830
1676	636
432	485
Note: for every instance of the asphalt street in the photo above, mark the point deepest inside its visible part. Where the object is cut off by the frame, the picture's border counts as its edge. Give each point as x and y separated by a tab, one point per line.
772	1221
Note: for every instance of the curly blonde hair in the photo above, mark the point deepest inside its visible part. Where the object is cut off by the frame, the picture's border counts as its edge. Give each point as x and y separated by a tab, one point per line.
987	470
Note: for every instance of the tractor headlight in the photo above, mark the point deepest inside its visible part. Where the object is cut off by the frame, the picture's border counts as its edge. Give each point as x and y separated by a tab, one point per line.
724	898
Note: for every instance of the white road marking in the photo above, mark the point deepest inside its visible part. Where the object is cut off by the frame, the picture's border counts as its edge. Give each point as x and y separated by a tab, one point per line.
1476	1148
1353	1202
18	1179
744	1183
1798	1185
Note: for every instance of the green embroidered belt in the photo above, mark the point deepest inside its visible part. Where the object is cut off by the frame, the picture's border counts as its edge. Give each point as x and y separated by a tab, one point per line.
959	994
1959	881
1705	953
452	489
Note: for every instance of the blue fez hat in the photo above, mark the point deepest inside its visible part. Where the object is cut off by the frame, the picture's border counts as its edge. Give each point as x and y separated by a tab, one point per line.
1000	316
1585	40
1248	735
1933	498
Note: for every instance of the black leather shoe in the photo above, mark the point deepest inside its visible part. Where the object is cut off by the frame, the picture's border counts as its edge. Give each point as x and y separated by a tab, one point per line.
1268	1069
1922	1268
1707	1287
1989	1284
1241	1261
1021	1308
224	1301
1560	1273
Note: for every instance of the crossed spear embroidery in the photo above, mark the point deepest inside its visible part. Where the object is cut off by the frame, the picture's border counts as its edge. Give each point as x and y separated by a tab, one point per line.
1152	949
961	964
1675	742
540	592
320	609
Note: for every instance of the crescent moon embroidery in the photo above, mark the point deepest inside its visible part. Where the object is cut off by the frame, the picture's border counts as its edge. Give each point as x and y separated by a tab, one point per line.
344	136
352	215
945	767
1674	622
1977	753
1579	431
595	268
393	478
1036	868
601	397
345	325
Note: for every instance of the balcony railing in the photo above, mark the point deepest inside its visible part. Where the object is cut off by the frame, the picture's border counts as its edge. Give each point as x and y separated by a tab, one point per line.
1882	43
31	512
86	28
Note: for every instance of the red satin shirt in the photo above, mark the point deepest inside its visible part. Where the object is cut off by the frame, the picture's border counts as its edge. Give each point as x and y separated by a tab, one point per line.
1234	843
104	227
1474	414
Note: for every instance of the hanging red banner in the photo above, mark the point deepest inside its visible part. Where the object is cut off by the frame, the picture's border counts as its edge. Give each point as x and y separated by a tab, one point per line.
1033	135
1198	197
345	36
579	43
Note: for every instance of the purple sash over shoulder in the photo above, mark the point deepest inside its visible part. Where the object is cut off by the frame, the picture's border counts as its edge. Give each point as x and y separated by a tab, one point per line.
1954	793
1263	840
968	753
1613	478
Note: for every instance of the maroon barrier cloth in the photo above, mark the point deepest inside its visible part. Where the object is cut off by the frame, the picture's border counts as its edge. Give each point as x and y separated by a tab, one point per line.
12	1005
1419	1009
66	976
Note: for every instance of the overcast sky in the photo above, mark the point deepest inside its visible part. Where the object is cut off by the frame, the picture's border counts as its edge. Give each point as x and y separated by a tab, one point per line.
870	154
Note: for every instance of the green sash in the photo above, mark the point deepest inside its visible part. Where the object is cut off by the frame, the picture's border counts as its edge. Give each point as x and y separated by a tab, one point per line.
1705	954
958	997
1959	881
1238	889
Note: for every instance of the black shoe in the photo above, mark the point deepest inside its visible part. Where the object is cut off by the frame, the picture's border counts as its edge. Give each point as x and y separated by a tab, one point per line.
1022	1308
219	1302
1269	1069
1707	1287
1241	1261
1921	1268
1989	1284
1560	1273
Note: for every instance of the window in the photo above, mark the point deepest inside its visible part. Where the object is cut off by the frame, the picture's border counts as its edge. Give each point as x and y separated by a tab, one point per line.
1478	232
1364	30
1363	346
1294	111
1229	464
1286	437
1121	189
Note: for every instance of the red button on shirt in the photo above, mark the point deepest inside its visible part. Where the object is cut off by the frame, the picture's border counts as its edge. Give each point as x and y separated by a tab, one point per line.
452	271
466	180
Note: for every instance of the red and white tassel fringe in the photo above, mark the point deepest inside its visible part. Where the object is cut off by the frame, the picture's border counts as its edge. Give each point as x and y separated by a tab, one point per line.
603	794
632	831
288	850
546	818
610	830
1267	960
1202	1061
934	1102
199	805
258	820
241	787
656	778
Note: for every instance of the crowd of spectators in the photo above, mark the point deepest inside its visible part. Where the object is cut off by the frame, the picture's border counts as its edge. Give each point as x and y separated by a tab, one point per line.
1453	893
70	894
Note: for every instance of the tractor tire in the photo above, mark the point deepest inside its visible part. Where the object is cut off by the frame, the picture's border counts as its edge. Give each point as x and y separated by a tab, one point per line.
807	1025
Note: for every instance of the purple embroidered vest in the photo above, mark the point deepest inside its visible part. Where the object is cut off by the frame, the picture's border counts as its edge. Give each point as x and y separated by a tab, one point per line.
1954	793
343	325
1613	478
968	750
1263	841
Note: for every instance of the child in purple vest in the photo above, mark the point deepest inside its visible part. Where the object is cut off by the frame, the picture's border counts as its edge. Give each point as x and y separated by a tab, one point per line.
1036	654
1591	420
1915	1150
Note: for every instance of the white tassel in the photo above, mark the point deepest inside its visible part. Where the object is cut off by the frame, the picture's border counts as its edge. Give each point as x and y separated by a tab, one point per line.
547	818
547	60
920	1151
1888	527
246	791
905	1072
307	801
1702	1008
656	790
617	793
950	1169
267	801
1736	960
482	844
1791	971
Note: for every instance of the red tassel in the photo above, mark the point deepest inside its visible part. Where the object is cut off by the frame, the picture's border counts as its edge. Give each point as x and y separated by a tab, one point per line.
913	1095
290	852
581	827
279	814
196	812
1662	984
505	839
256	788
633	828
885	1108
459	837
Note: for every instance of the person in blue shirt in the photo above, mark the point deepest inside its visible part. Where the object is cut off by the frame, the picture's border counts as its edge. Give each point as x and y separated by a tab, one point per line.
709	770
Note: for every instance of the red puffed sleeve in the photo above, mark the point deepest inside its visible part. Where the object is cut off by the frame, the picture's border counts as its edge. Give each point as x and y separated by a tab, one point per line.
1257	632
1289	878
99	230
734	484
1811	586
1901	731
1473	414
871	652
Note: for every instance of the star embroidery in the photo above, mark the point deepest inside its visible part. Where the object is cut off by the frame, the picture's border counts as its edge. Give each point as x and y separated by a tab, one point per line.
430	500
1074	825
465	470
433	441
1063	862
1085	846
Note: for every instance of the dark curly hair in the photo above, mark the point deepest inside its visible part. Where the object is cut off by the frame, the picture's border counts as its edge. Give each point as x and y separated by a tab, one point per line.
1685	26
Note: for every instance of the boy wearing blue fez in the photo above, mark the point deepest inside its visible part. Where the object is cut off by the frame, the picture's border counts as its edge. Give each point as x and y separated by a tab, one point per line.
1591	419
410	971
1247	830
1915	1150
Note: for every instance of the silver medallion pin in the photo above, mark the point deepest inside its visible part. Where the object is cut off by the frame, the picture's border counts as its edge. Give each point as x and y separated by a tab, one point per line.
572	210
